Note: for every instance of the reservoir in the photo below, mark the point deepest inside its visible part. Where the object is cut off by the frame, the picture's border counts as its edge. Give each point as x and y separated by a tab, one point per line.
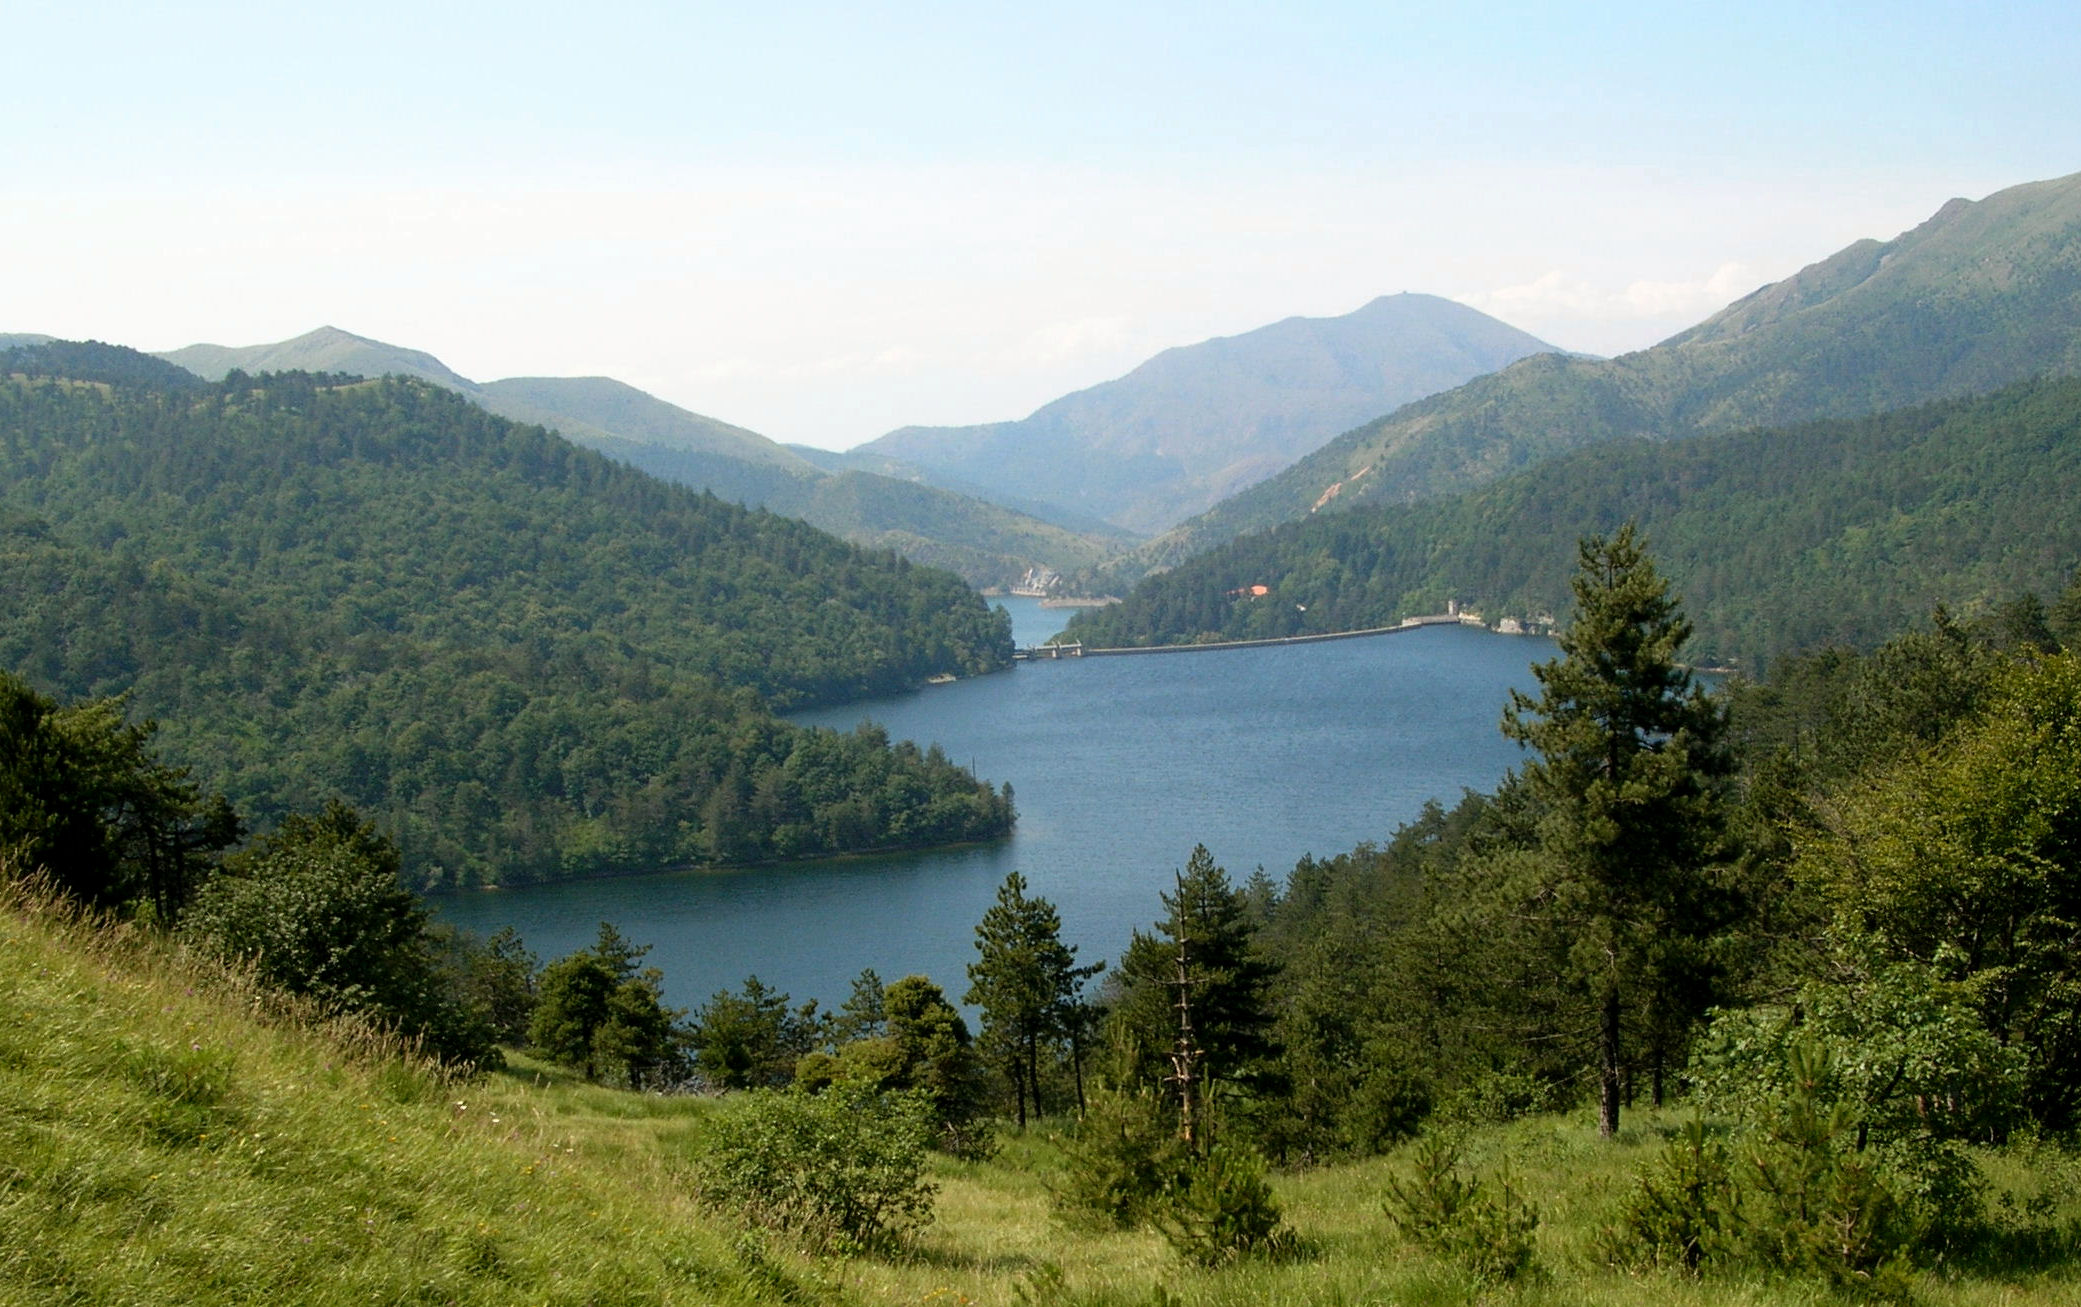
1118	766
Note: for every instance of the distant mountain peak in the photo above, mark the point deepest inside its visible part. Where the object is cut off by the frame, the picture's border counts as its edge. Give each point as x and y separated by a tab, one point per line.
1195	423
1981	294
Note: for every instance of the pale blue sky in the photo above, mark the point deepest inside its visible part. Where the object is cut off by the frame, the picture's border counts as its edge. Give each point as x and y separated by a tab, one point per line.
825	221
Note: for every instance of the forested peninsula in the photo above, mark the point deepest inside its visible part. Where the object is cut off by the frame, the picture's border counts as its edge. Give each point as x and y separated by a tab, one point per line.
522	659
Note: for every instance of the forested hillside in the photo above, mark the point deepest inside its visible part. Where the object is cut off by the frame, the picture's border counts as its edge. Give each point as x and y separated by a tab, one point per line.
1981	295
1780	539
522	658
985	543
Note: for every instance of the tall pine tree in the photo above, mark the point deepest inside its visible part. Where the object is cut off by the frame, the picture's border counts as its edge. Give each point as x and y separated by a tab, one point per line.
1025	979
1630	752
1230	980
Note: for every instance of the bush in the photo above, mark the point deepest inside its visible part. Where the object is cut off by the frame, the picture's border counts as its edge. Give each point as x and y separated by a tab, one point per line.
1119	1161
1484	1226
1496	1097
1818	1205
1387	1108
1683	1211
1220	1209
1801	1198
315	908
1896	1064
844	1169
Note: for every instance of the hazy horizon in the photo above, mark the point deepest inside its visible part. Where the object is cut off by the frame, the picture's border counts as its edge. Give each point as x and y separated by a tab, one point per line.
825	224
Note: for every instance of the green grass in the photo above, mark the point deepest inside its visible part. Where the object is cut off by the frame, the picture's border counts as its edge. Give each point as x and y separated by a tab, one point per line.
169	1134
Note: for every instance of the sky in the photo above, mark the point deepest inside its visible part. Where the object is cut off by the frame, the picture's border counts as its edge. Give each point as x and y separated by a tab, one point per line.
823	222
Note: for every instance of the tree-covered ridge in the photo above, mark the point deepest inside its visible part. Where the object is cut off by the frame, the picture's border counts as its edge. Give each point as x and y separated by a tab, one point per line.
1778	539
521	657
91	360
985	543
1979	296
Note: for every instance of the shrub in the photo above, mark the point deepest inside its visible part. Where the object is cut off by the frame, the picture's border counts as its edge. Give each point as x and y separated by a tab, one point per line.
1496	1097
1813	1203
1801	1197
844	1169
1118	1161
316	909
1387	1108
1682	1212
1220	1209
1897	1058
1484	1226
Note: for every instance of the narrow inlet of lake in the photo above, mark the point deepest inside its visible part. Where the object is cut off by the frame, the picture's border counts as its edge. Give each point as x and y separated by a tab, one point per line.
1119	766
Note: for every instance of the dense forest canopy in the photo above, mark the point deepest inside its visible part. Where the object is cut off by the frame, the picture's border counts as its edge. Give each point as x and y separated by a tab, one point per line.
1779	539
523	658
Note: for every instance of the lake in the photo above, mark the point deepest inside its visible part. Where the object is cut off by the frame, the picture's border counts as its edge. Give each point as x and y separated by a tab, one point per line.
1118	765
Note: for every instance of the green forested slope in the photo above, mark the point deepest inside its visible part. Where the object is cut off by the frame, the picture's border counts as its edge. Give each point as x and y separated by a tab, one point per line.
523	658
1779	539
985	543
1980	295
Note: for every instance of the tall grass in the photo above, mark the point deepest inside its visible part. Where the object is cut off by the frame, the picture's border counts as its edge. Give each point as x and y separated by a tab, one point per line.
172	1133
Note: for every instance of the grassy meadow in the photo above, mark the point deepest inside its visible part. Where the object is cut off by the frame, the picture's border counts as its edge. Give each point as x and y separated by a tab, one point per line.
170	1133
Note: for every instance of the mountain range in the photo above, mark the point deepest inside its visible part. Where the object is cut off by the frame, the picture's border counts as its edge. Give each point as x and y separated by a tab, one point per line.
1068	489
1980	295
1779	539
1198	423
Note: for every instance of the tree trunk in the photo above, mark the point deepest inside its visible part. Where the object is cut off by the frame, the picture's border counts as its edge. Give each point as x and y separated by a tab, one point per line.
1608	1052
1033	1074
1076	1063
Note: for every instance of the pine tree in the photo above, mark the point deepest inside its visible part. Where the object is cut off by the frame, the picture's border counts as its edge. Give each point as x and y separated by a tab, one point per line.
864	1013
594	1007
1230	981
1025	980
571	1009
1630	750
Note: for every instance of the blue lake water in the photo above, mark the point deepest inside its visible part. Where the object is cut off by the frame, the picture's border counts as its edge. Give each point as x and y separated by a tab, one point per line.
1119	766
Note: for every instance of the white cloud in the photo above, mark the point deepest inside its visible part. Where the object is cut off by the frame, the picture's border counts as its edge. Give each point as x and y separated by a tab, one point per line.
1557	295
